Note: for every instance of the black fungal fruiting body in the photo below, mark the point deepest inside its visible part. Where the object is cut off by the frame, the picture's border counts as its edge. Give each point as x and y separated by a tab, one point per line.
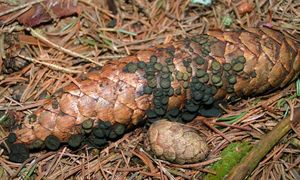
199	77
18	153
52	143
179	81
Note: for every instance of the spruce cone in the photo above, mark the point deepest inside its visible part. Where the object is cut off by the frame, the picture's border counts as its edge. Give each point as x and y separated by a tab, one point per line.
175	142
176	80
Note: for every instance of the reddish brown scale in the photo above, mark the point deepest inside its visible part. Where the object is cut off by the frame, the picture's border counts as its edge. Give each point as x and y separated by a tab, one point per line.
272	60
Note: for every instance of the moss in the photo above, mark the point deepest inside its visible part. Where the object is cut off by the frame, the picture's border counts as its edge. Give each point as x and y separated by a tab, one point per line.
231	156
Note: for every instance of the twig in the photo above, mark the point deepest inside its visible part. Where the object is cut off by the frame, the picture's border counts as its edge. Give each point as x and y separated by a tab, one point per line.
88	2
115	169
22	106
58	160
167	173
196	165
146	161
112	57
249	163
231	126
52	66
215	129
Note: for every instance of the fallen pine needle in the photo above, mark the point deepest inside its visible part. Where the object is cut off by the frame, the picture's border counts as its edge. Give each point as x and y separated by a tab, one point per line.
52	66
60	48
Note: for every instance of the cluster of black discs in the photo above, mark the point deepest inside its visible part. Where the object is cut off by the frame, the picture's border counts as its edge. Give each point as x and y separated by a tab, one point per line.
200	81
202	78
92	136
159	78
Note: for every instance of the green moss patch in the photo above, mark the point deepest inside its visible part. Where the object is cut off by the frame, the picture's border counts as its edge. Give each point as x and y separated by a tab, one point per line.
231	156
